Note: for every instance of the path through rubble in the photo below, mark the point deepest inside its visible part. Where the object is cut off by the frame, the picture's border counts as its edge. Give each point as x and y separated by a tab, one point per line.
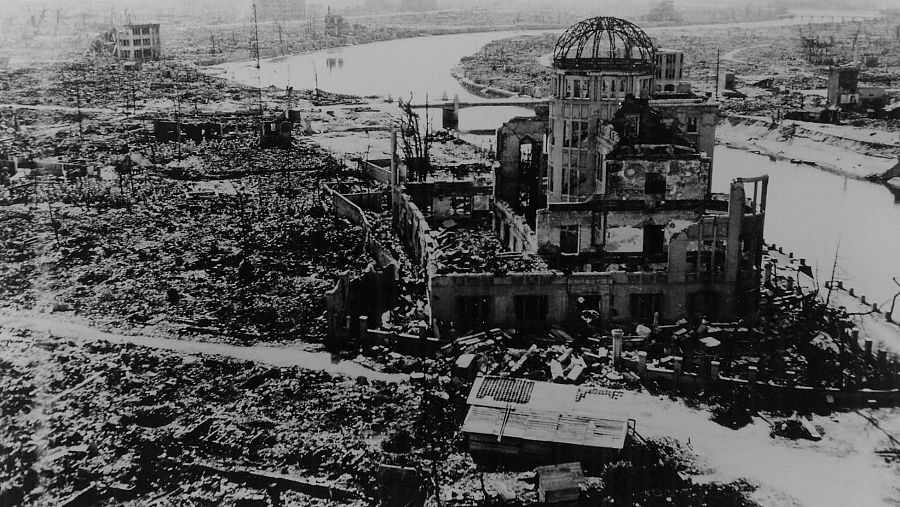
272	355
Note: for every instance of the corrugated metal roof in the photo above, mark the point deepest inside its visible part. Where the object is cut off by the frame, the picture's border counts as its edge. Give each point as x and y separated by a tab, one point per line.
565	399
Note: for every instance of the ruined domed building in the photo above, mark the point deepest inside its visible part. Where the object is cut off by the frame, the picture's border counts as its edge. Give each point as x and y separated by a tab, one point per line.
613	189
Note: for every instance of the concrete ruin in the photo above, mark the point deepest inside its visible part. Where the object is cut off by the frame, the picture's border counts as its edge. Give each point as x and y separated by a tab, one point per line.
613	189
136	43
175	131
276	133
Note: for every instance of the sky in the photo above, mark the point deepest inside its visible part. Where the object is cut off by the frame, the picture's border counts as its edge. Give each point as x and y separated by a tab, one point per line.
18	10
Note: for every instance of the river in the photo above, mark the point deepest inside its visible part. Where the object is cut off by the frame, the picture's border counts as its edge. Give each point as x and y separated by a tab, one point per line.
418	67
809	211
816	214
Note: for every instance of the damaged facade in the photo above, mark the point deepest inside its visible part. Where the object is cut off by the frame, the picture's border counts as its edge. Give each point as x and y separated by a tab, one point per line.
613	190
137	43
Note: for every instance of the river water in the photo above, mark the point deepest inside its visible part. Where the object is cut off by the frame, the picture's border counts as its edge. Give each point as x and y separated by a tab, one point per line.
417	68
810	212
816	214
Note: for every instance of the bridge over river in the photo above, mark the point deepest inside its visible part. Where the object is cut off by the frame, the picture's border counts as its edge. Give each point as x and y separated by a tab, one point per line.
451	108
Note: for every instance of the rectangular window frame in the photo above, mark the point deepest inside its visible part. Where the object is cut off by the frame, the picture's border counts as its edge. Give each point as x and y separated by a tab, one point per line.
531	308
570	239
644	305
692	124
655	183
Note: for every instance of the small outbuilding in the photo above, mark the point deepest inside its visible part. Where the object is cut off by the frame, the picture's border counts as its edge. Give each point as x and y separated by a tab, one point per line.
526	423
560	485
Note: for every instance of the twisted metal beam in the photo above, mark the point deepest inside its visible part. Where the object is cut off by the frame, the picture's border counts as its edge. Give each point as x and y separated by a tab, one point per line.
585	41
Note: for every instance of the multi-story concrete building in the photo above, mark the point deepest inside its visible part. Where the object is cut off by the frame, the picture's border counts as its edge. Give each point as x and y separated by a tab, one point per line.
613	188
669	68
280	10
138	42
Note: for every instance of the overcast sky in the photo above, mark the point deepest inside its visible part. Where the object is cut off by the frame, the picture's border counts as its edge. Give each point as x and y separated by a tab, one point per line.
235	9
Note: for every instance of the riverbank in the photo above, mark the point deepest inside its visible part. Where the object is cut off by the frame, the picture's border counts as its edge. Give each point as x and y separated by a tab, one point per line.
381	36
840	149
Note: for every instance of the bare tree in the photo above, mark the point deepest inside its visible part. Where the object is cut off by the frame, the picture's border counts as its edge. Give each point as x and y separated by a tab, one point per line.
36	20
416	145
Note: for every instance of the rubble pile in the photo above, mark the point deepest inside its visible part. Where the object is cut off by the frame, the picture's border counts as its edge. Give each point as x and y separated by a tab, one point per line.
660	473
656	471
795	428
411	308
131	423
797	340
473	248
556	357
17	271
17	451
512	64
98	82
149	249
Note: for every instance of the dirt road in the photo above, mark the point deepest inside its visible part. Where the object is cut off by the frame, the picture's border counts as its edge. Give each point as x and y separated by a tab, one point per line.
273	355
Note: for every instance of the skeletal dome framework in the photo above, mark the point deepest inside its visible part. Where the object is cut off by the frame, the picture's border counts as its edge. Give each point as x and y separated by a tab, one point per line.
603	40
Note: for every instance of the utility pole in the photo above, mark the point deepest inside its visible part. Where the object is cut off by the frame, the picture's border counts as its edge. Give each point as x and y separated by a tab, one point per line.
717	72
78	105
177	118
316	76
258	71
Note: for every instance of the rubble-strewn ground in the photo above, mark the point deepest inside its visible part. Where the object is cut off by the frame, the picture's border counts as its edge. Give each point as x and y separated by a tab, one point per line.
225	242
247	256
140	423
753	54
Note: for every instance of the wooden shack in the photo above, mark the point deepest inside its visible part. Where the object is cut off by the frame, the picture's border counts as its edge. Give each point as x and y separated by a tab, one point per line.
526	423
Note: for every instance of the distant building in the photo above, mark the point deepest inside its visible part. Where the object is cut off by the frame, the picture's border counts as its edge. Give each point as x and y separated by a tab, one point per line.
138	43
843	87
669	68
275	133
280	10
335	26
